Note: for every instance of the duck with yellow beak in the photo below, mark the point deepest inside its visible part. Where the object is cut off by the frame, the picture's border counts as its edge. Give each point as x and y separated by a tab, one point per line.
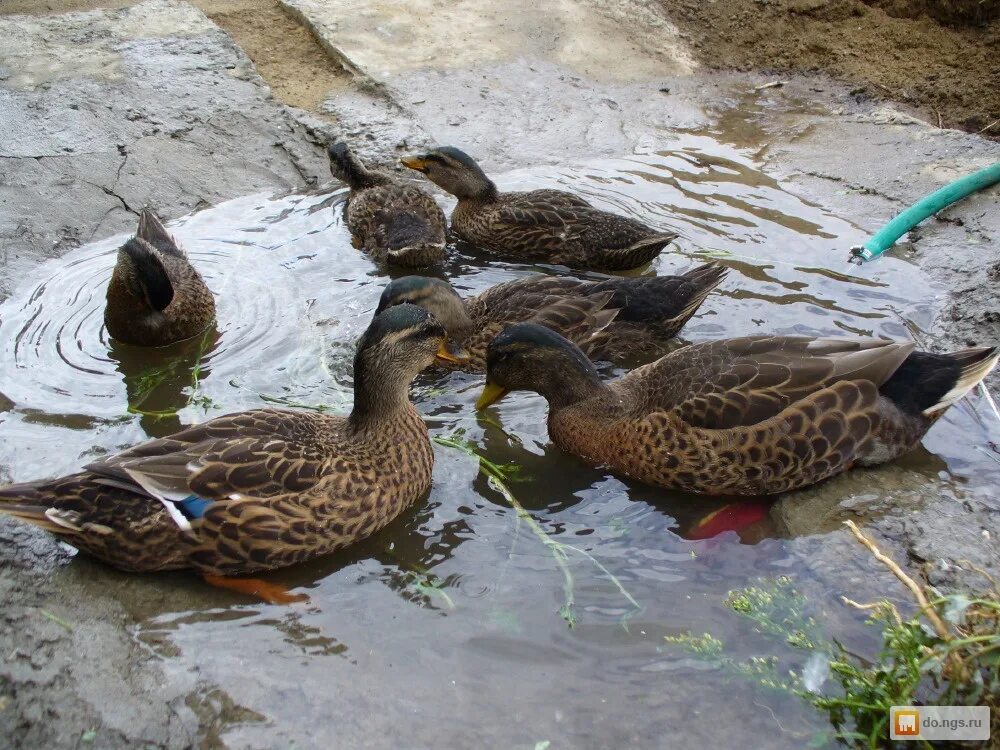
551	226
261	489
748	416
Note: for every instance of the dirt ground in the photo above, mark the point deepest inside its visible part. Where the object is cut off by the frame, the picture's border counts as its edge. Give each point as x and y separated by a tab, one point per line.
949	74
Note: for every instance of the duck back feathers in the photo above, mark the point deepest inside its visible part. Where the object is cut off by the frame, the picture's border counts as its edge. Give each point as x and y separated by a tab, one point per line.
146	276
155	296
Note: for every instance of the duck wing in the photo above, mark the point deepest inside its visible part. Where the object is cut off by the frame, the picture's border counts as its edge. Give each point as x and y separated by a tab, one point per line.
744	381
568	306
260	454
554	198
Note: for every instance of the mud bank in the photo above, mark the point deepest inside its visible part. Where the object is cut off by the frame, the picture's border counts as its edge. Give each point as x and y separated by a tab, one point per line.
936	59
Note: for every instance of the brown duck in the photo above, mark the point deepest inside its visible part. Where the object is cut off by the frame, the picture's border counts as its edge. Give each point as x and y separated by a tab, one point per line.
746	416
393	221
155	296
260	489
539	225
616	319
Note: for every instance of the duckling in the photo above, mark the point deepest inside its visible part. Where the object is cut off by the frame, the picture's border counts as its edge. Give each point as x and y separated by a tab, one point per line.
539	225
746	416
393	221
260	489
616	319
155	296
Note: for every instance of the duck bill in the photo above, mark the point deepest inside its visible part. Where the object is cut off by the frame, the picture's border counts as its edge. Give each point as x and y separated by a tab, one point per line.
418	163
451	353
490	395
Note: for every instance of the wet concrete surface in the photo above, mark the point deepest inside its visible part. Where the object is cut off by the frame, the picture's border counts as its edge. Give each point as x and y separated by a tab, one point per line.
165	110
108	111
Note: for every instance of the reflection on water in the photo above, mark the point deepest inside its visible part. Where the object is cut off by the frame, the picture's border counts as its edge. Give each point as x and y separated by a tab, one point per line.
455	609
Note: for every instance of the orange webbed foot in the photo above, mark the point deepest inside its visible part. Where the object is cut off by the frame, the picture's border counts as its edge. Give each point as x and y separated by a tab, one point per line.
272	593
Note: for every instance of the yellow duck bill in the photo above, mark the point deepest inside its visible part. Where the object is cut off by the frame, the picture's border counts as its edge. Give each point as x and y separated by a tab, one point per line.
449	353
418	163
490	395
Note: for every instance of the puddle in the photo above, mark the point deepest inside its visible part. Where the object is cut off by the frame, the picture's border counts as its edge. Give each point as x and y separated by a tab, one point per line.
449	626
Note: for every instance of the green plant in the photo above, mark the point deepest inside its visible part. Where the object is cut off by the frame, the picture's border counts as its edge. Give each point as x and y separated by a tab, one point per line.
948	653
497	476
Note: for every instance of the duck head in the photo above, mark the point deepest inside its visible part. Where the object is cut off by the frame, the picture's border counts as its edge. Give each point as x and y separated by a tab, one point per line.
531	357
453	171
398	344
437	297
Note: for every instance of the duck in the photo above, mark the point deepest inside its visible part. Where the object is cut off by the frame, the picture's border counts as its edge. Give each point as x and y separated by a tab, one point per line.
757	415
155	296
615	319
552	226
261	489
393	221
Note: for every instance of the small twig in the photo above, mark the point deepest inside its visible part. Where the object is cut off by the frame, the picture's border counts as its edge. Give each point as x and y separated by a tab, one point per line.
57	620
940	120
926	608
771	85
988	127
875	605
976	569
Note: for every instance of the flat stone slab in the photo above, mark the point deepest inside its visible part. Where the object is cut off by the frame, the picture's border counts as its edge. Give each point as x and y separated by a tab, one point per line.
582	77
105	112
385	38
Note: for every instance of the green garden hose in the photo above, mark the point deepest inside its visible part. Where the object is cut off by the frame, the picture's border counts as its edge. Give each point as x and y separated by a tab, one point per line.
927	206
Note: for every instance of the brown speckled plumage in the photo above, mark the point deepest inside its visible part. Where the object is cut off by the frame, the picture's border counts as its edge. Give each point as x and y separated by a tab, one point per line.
393	221
279	486
538	225
616	319
155	296
746	416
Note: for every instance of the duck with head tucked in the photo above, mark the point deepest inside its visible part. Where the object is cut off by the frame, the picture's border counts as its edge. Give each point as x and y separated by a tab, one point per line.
616	319
550	226
260	489
394	222
155	296
746	416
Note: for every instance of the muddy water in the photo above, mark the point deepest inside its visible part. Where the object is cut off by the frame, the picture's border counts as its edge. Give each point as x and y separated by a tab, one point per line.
450	628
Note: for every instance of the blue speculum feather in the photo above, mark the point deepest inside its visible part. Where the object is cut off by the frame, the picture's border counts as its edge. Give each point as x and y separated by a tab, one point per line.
193	506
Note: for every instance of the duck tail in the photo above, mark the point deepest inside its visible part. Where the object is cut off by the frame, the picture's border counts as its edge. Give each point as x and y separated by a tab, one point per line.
147	278
151	230
642	252
703	280
22	501
664	302
409	239
927	384
345	166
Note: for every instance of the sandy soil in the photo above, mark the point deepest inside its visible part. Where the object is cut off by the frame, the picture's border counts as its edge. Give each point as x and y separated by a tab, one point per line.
950	75
286	54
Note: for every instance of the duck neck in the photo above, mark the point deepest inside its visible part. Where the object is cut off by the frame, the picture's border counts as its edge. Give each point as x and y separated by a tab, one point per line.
381	394
460	324
480	191
568	385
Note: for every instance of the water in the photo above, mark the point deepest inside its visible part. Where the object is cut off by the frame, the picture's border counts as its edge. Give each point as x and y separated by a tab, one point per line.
449	628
